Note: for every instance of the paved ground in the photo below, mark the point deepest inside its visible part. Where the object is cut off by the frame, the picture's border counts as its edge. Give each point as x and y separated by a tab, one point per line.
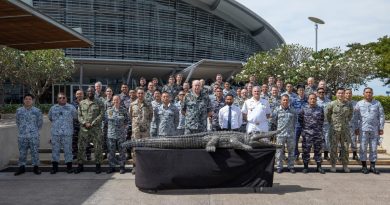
89	188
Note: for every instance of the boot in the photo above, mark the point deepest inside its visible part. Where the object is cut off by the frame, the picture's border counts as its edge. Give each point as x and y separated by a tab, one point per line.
98	169
69	167
54	170
364	167
122	170
372	168
333	168
80	168
110	170
346	169
319	168
36	170
354	156
22	169
305	167
326	155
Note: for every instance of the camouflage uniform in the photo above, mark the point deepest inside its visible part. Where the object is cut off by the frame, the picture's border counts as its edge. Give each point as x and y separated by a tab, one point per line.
90	112
311	119
274	102
107	105
149	96
196	109
172	90
338	115
310	90
215	107
153	128
298	103
325	129
141	115
239	102
29	122
370	116
291	96
166	119
284	119
116	121
61	117
353	124
182	119
76	130
125	100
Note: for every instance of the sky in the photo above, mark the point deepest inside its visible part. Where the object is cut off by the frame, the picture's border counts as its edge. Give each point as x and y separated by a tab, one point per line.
346	21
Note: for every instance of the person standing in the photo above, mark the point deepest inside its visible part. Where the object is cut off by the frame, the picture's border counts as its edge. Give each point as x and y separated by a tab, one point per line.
298	103
182	118
61	117
339	114
371	118
196	108
353	125
323	102
229	116
216	104
141	113
257	111
310	86
125	98
166	117
90	115
76	125
28	121
171	88
155	103
116	120
311	119
284	118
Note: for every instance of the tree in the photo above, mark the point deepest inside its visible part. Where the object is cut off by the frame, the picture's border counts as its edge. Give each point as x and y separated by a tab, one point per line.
381	48
8	62
283	62
40	69
295	64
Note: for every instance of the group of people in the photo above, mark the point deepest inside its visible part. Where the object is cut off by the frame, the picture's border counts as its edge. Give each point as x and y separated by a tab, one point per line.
151	110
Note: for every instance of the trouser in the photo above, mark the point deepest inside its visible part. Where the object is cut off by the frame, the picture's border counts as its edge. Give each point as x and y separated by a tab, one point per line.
339	138
113	145
138	135
94	135
75	149
290	141
25	143
325	134
354	139
307	142
58	141
370	139
298	132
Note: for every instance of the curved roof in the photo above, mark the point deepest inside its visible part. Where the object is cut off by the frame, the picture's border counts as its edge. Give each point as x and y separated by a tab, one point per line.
241	17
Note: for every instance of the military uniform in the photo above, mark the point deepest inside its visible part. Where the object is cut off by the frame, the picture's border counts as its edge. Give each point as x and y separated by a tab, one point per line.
338	115
116	121
284	119
172	90
310	89
141	116
153	128
311	119
370	116
61	117
149	96
125	100
90	112
196	109
216	105
182	119
298	103
353	125
166	119
325	129
29	122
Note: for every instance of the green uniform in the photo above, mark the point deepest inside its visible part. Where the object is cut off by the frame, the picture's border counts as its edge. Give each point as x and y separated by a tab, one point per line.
339	114
90	112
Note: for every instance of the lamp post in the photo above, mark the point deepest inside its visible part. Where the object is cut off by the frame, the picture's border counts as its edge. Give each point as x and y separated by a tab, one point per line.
316	22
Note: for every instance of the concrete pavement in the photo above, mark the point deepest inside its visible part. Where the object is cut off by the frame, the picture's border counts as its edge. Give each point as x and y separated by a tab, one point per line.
89	188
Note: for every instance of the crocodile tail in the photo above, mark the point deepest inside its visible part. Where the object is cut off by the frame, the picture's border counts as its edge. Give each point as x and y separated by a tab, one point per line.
261	135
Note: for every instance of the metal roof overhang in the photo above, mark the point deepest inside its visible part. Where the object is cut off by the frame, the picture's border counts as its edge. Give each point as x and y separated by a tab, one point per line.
208	69
243	18
24	28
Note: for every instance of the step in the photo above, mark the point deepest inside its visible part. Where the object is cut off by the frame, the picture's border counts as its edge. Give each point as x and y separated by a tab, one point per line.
62	168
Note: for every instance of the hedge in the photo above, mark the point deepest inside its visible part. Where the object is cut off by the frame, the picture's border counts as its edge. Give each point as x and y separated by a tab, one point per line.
11	108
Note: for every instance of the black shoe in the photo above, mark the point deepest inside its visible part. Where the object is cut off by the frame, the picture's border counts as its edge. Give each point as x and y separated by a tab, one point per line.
305	168
122	170
292	171
69	167
98	169
110	170
54	170
22	170
279	171
36	170
320	170
80	168
365	170
372	168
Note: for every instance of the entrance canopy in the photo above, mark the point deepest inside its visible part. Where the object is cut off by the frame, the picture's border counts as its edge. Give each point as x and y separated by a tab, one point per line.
208	69
24	28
